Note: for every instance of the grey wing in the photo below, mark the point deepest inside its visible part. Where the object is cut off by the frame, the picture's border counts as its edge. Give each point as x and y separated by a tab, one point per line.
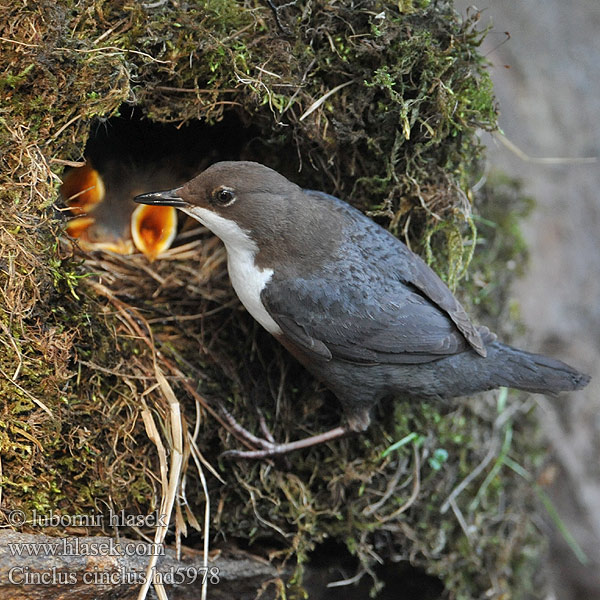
345	322
413	270
426	280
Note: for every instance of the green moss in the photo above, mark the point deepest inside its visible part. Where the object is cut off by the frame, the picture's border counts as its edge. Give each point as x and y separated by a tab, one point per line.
501	254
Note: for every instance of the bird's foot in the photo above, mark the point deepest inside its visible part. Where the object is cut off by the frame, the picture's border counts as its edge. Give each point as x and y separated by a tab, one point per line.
268	447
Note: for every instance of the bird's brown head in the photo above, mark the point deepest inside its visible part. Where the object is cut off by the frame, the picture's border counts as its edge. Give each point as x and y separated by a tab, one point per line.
229	196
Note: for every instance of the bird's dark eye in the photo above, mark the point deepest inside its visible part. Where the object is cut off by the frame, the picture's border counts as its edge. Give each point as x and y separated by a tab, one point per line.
224	196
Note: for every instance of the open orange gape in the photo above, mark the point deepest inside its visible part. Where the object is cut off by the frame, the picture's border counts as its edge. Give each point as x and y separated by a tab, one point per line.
106	217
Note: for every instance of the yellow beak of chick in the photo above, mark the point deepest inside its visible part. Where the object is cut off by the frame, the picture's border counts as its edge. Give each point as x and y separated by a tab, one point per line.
153	229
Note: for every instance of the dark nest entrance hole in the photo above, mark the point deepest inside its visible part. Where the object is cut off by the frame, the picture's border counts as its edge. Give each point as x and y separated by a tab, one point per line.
133	155
139	141
185	293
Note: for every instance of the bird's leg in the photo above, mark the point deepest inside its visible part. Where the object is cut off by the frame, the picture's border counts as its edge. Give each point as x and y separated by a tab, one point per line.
241	432
358	420
269	447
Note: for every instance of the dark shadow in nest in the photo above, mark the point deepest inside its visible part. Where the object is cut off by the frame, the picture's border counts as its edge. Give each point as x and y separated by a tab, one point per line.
332	563
137	140
129	155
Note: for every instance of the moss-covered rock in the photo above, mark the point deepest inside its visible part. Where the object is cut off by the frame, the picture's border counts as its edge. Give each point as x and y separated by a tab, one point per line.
377	102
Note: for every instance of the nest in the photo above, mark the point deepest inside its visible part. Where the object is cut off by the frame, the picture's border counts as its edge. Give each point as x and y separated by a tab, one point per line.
113	368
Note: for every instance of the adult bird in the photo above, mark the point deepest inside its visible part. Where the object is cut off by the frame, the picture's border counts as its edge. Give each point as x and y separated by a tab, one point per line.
364	314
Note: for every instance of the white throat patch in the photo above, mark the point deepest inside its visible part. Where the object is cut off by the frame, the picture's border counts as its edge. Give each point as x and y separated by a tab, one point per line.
247	279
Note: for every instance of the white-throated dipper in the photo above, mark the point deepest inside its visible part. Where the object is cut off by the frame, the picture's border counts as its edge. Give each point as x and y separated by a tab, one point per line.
364	314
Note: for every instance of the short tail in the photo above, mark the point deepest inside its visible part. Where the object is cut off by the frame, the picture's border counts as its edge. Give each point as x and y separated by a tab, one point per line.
532	372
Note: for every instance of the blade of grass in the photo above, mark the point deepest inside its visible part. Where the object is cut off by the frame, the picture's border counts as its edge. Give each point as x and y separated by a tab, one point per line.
577	550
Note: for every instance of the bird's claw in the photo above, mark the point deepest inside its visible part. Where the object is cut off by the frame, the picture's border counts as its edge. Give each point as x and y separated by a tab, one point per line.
268	450
264	428
268	446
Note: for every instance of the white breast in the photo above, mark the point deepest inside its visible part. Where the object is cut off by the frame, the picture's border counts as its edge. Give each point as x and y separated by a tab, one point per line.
247	279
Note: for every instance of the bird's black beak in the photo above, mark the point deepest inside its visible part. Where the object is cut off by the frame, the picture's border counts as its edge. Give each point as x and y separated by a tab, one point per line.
167	198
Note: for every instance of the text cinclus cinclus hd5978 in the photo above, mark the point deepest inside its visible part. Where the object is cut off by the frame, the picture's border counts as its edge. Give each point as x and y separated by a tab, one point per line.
364	314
